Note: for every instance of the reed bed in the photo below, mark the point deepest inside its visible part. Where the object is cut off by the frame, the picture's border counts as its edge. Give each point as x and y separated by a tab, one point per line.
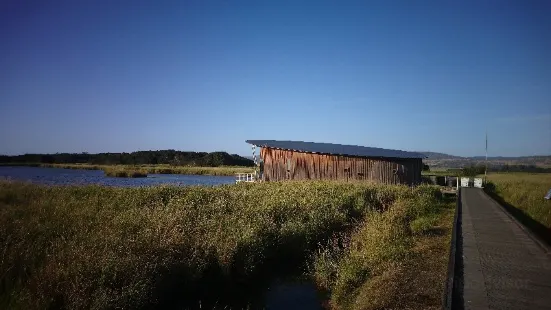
82	247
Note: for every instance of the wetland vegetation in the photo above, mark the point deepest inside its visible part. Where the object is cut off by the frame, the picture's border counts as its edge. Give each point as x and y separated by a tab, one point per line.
364	246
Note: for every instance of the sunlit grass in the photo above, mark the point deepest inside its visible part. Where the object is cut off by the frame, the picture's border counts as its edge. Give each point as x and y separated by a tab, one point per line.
221	171
525	191
81	247
374	266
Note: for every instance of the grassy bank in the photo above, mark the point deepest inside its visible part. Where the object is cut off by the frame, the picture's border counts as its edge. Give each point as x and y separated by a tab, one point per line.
151	169
522	194
393	260
222	171
188	247
124	172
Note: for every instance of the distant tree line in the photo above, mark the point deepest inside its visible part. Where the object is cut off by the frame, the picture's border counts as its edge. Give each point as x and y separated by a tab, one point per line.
169	157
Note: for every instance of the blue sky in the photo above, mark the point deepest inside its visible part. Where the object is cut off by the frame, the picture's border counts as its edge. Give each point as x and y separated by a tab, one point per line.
100	76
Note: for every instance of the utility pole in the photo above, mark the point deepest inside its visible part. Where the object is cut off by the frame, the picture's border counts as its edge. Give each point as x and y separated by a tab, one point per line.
486	163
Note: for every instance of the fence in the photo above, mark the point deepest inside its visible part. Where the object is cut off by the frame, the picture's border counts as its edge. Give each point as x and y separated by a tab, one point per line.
245	177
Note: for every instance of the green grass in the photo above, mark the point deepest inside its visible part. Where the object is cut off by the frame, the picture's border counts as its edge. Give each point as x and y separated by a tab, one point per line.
525	192
387	253
423	224
152	169
81	247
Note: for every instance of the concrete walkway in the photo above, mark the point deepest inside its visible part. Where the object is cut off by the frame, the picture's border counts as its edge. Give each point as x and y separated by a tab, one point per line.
499	265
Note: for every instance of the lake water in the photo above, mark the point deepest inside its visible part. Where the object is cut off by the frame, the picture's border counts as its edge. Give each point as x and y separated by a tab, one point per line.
58	176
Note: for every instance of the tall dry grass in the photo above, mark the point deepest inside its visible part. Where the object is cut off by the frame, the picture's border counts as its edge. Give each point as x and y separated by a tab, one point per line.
525	192
371	268
81	247
152	169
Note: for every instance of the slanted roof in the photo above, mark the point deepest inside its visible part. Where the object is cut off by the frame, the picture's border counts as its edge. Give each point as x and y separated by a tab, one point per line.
334	149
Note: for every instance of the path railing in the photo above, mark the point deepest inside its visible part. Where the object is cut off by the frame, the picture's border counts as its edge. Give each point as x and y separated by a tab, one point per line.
476	182
245	177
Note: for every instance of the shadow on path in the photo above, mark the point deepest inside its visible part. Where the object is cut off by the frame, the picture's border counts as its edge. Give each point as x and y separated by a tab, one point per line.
534	226
458	281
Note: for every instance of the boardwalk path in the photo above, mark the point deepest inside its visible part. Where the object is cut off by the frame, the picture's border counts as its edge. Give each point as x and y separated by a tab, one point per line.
500	266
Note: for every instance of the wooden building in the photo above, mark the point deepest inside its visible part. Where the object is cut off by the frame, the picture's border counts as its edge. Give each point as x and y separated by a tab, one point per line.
297	160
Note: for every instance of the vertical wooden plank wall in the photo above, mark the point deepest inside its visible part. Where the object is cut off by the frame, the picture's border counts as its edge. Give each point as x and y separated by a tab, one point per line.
320	166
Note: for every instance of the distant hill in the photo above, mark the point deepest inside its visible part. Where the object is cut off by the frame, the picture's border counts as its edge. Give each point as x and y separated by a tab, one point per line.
437	156
440	161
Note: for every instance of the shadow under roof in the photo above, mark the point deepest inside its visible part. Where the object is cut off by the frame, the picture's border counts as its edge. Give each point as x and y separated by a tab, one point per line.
334	149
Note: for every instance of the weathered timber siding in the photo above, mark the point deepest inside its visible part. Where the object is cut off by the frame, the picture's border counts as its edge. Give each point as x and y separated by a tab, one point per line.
290	165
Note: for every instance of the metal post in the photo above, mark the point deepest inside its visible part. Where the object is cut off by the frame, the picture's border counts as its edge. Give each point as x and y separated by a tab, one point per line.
486	162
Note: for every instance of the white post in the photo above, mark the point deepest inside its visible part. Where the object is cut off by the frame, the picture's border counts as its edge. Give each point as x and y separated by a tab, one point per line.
256	163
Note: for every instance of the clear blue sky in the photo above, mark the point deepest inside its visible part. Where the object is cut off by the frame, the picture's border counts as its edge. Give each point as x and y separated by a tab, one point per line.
97	76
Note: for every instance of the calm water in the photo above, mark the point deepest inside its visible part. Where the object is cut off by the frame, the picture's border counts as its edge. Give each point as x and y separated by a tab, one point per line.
57	176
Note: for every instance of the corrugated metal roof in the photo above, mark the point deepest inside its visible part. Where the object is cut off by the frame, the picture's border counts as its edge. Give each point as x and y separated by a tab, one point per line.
335	149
